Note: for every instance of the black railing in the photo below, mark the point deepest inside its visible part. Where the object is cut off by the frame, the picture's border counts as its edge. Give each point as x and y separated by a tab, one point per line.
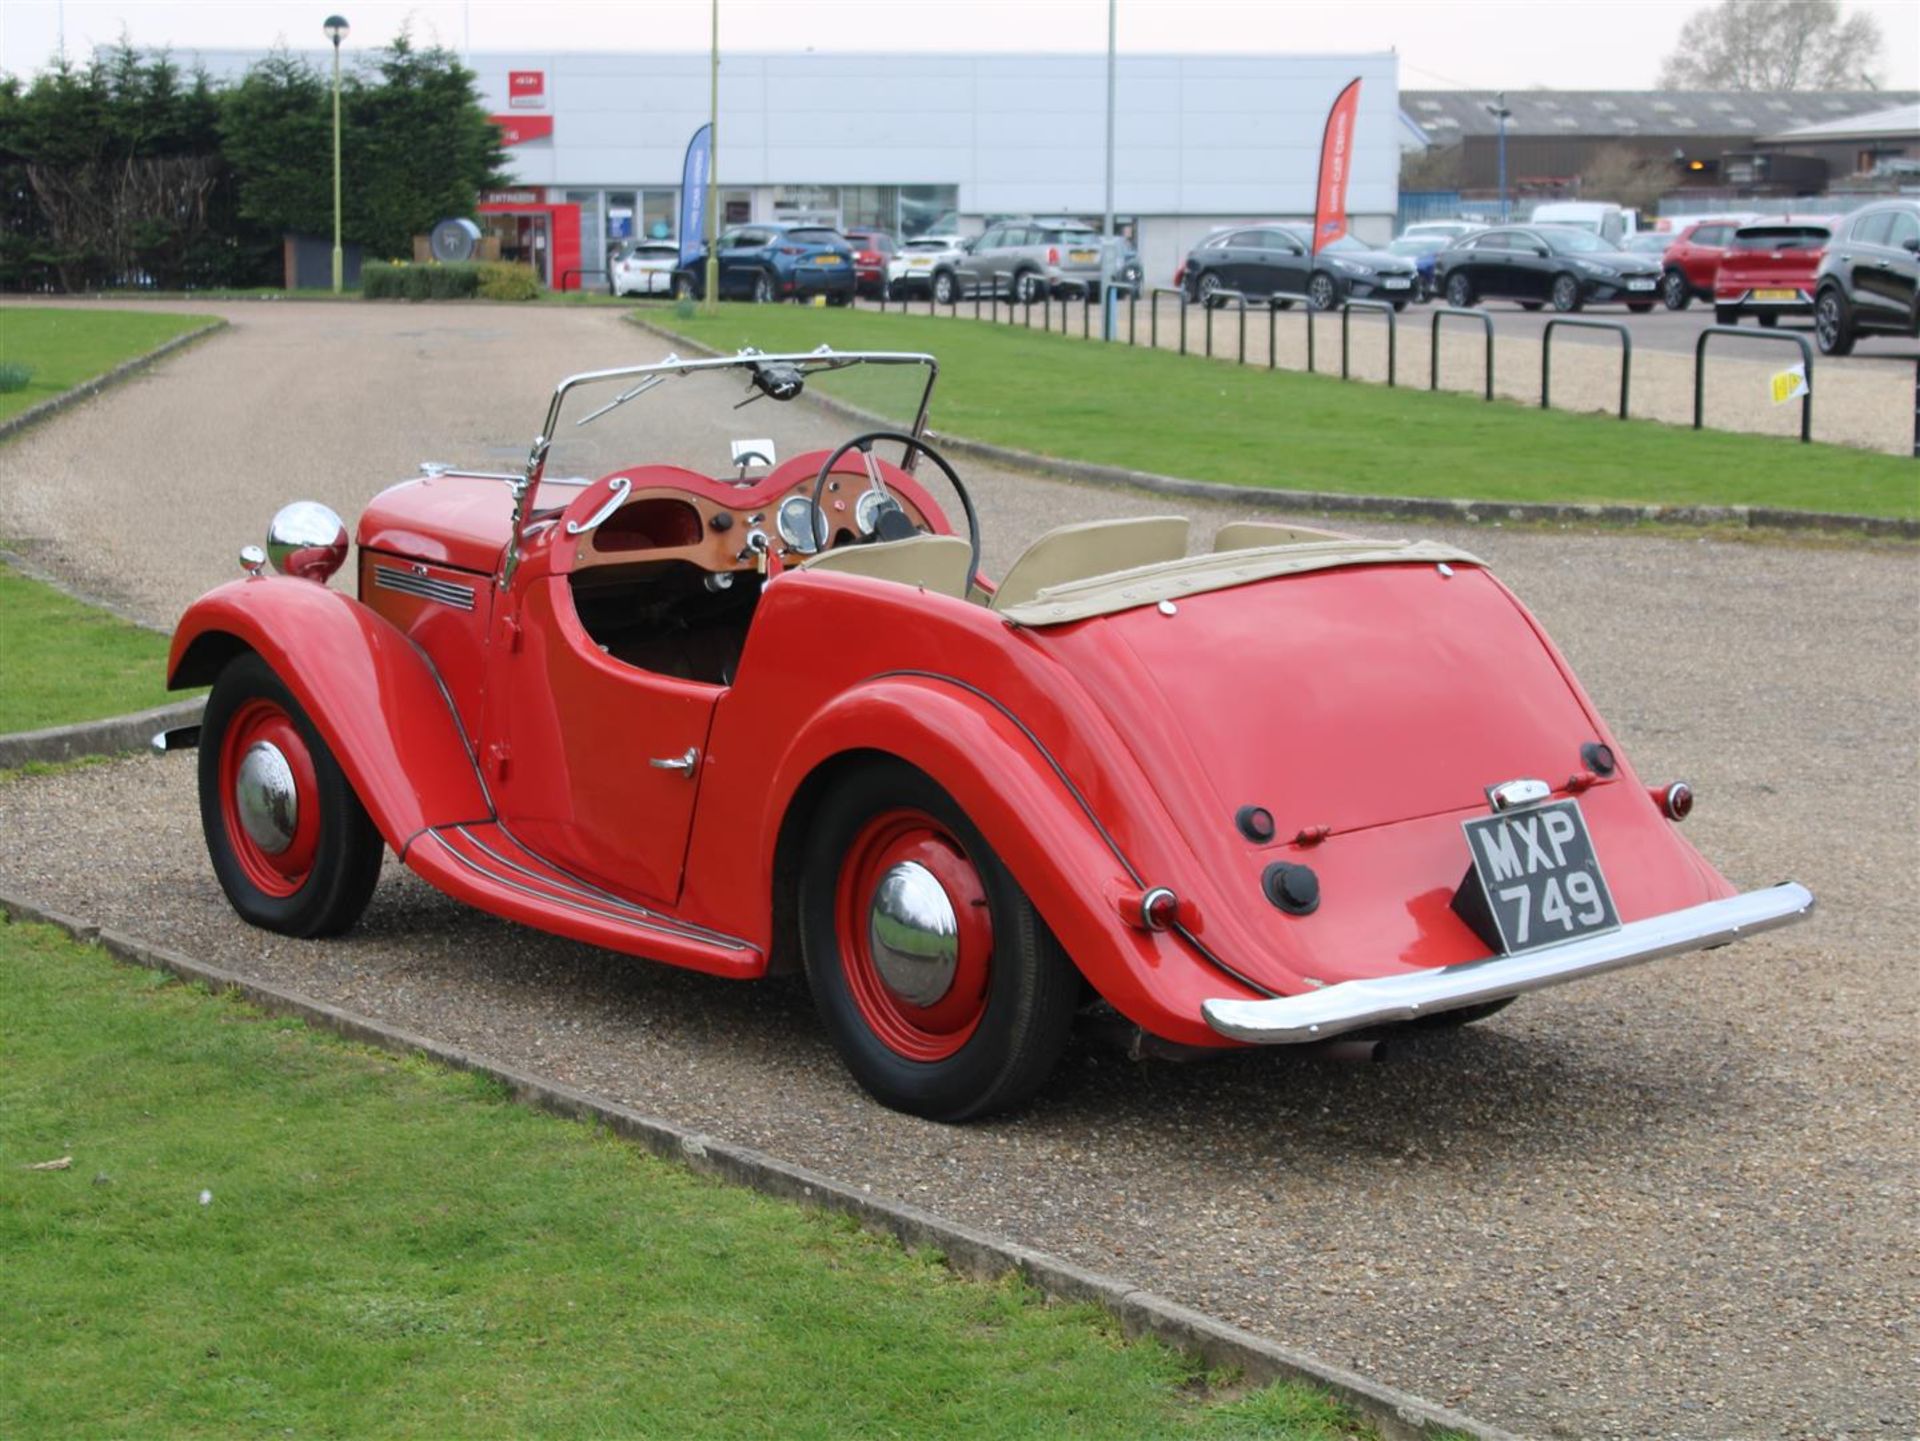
1385	307
1440	313
1153	315
1212	303
1285	300
568	274
1699	371
1546	354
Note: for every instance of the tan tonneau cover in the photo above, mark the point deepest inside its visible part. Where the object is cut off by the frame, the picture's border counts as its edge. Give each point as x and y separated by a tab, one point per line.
1196	574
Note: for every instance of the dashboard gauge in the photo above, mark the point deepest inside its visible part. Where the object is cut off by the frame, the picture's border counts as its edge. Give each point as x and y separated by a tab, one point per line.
792	523
866	510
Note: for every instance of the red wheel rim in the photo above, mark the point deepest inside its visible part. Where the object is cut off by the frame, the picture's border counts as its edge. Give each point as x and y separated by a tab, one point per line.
917	1028
282	871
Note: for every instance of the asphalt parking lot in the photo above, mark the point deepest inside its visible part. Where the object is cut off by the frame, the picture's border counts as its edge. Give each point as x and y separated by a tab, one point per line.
1677	1202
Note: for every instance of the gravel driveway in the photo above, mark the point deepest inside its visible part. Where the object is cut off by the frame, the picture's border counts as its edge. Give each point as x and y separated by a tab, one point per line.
1676	1202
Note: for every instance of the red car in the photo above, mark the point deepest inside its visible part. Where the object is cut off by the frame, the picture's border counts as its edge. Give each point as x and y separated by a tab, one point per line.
1692	261
775	718
1769	271
873	251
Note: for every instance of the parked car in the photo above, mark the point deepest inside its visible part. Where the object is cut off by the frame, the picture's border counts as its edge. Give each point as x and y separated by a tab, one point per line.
1692	259
1540	265
914	265
1421	250
967	810
1768	270
1264	260
1445	229
777	262
643	267
1024	258
1869	282
873	252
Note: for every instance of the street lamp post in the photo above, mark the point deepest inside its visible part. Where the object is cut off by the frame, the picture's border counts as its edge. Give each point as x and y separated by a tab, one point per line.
336	28
1498	110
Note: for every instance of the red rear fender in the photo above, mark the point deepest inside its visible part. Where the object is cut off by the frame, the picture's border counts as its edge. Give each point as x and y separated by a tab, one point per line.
370	692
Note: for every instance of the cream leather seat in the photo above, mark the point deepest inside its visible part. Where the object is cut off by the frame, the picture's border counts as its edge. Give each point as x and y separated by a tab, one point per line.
935	562
1251	534
1089	548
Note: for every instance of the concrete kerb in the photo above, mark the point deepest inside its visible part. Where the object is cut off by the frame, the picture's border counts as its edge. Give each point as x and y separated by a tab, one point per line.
1398	1415
126	370
1421	507
112	736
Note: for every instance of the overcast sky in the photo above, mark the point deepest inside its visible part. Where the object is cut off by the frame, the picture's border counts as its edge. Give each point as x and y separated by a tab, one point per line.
1491	44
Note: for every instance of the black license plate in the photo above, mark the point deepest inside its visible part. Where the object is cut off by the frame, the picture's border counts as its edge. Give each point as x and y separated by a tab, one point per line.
1540	877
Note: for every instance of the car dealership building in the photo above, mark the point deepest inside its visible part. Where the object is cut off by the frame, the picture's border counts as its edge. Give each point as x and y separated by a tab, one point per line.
595	142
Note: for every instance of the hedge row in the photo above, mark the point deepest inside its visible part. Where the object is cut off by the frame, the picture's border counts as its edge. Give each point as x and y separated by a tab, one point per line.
458	280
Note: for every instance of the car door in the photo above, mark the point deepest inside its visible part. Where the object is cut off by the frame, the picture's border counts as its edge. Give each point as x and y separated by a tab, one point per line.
1284	263
977	264
743	255
1528	267
1881	267
1486	266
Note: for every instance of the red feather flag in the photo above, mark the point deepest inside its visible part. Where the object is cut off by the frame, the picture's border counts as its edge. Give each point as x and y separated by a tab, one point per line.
1336	162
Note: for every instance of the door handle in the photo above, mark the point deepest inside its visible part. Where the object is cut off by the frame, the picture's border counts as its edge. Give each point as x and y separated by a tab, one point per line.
683	764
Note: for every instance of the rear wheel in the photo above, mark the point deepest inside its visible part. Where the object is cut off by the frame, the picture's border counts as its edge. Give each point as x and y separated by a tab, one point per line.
291	844
944	289
762	288
1531	304
942	989
1206	287
1833	322
1674	290
1565	294
1459	291
1026	286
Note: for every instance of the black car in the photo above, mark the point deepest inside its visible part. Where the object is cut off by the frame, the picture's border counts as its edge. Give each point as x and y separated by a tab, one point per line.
1869	282
1545	265
1264	260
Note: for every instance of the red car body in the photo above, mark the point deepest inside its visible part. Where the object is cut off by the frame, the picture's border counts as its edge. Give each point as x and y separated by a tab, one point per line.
1769	270
1116	763
1692	261
872	251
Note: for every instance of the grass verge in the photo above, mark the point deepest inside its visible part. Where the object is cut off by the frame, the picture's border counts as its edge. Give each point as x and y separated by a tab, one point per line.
63	661
263	1228
67	347
1162	412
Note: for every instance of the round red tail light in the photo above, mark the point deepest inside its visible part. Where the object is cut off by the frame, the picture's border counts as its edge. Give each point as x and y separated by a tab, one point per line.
1675	800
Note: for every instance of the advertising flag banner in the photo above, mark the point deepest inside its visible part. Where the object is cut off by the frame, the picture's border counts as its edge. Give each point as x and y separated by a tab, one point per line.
1336	162
693	195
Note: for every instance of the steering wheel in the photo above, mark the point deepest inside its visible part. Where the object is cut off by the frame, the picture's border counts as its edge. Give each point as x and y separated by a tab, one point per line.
890	521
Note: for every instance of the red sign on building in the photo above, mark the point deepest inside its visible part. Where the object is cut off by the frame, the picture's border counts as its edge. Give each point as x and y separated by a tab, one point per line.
517	129
527	89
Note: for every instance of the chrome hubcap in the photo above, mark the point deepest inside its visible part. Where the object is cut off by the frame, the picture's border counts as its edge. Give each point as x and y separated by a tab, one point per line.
266	797
914	934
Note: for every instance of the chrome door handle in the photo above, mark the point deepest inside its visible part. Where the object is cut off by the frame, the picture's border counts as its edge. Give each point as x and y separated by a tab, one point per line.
683	764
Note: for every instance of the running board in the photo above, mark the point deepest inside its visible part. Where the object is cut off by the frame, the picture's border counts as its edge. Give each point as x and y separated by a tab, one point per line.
484	866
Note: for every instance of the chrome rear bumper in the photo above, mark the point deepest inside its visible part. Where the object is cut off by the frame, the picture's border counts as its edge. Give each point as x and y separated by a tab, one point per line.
1315	1015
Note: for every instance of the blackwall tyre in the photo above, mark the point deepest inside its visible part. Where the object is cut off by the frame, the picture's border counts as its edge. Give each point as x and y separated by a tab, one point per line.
1833	323
1459	292
1565	294
942	989
1206	287
291	845
1322	292
1675	293
762	289
943	288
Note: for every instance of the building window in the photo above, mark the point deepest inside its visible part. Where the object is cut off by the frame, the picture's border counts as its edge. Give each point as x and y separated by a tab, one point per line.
659	214
928	209
621	220
736	207
806	204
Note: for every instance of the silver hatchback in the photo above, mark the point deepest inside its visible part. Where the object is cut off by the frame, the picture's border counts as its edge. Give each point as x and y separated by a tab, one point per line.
1025	258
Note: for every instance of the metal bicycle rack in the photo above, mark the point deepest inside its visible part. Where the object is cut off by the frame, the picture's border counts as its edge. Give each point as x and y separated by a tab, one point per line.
1546	354
1699	371
1347	308
1440	313
1278	301
1153	317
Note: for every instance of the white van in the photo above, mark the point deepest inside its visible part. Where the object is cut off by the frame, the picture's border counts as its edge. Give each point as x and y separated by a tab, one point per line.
1602	217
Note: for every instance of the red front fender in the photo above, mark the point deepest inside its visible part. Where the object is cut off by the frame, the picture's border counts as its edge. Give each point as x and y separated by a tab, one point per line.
369	691
1047	838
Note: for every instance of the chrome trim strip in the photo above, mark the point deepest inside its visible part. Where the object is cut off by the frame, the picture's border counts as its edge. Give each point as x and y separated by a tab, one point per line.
446	592
562	897
621	485
1316	1015
587	891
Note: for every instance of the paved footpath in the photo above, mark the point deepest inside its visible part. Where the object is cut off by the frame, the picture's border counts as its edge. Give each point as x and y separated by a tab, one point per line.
1677	1202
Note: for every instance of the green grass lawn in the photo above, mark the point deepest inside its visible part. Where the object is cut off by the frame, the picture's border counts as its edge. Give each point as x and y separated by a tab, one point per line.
63	661
268	1231
65	347
1157	411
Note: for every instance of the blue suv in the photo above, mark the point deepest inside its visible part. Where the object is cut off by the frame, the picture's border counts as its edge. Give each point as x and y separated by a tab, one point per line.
777	262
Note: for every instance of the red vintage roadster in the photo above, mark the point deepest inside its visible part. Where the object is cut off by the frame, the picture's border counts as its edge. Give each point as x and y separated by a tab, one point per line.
1295	786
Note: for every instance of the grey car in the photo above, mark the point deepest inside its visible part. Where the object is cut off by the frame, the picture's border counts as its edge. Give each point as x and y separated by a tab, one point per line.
1022	258
1275	259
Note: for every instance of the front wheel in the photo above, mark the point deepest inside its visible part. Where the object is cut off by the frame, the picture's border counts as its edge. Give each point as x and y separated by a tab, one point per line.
290	843
1832	323
1674	290
1322	293
1459	291
937	981
1565	294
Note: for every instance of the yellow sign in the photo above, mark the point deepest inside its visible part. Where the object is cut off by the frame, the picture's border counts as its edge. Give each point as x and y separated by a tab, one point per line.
1789	385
